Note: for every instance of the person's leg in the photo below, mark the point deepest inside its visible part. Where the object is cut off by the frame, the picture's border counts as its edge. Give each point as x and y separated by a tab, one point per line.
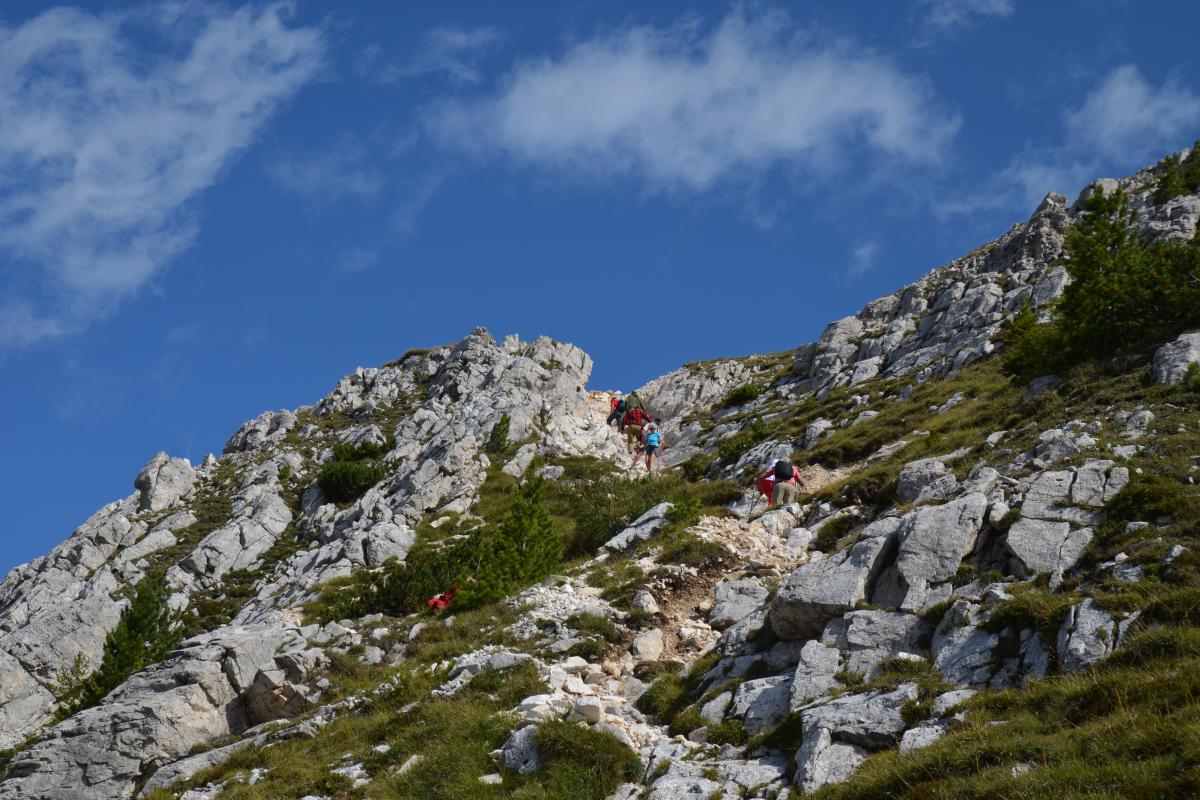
777	495
650	454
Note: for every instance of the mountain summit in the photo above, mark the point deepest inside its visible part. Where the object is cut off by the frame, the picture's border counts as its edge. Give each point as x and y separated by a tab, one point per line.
446	578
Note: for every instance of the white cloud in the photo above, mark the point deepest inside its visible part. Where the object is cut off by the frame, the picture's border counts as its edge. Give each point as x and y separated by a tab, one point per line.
1123	124
685	108
452	50
943	16
343	172
111	125
862	258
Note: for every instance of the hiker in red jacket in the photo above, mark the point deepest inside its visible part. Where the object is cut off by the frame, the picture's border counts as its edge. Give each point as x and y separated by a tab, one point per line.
785	481
635	419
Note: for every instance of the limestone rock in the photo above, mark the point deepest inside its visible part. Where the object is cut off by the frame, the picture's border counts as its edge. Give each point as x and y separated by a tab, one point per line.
735	600
762	703
642	529
520	751
824	588
1172	360
648	645
163	481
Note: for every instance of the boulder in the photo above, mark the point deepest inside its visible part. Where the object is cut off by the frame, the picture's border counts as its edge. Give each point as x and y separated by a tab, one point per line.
1088	634
642	529
520	751
648	645
1038	546
761	703
926	479
822	760
163	481
871	637
814	675
932	543
825	588
735	600
962	649
1172	360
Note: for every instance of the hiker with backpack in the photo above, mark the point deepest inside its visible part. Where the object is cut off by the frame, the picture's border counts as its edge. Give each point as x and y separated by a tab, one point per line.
634	420
786	482
618	412
654	443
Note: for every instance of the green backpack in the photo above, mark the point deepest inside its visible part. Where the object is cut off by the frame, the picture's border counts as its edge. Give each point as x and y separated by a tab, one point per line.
632	402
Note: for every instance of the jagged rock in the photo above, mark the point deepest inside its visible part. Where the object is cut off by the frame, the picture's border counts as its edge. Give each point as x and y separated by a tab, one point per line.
947	701
642	529
838	733
871	637
822	760
926	479
266	428
814	432
157	716
1138	424
825	588
814	675
1087	635
163	481
520	462
1172	360
644	601
520	751
932	543
714	710
761	703
962	649
185	768
1038	546
735	600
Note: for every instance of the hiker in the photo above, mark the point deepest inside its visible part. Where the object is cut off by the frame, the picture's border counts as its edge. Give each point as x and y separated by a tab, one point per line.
633	401
785	480
654	443
618	411
633	421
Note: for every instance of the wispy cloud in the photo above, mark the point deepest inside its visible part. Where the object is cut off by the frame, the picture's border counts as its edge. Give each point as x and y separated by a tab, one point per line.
345	171
940	17
686	107
113	124
451	50
862	259
1123	123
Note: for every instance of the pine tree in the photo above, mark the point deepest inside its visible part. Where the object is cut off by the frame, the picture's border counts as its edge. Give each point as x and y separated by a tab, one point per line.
1171	183
498	440
147	630
523	550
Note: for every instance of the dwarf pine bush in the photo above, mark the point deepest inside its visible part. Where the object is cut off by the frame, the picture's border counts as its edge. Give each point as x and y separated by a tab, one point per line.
1126	294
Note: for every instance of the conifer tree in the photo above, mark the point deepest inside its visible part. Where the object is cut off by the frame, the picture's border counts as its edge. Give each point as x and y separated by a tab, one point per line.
524	549
147	630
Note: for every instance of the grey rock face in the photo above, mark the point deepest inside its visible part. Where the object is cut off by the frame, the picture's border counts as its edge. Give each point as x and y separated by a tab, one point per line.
962	649
933	542
1088	634
642	529
814	675
927	479
266	428
762	703
825	588
839	733
1171	361
163	481
1046	547
156	717
520	751
735	600
871	637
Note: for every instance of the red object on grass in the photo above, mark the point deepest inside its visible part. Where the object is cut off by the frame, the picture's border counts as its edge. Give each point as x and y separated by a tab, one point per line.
439	601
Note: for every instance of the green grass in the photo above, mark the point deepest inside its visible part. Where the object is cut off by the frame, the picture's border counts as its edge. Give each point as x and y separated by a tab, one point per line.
1117	731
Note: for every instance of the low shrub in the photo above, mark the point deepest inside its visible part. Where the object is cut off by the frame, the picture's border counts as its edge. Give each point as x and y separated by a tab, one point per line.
581	762
741	395
346	481
498	439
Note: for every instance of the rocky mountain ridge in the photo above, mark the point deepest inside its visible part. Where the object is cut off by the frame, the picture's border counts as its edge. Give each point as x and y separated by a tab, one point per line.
791	621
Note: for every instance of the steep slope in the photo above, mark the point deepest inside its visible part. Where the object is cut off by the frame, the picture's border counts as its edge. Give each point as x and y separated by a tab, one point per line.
964	532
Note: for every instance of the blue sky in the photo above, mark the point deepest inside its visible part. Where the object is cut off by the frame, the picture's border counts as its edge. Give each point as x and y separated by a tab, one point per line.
210	210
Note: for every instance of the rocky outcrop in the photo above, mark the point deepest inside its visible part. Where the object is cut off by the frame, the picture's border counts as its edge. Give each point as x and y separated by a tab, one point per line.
200	693
1173	360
